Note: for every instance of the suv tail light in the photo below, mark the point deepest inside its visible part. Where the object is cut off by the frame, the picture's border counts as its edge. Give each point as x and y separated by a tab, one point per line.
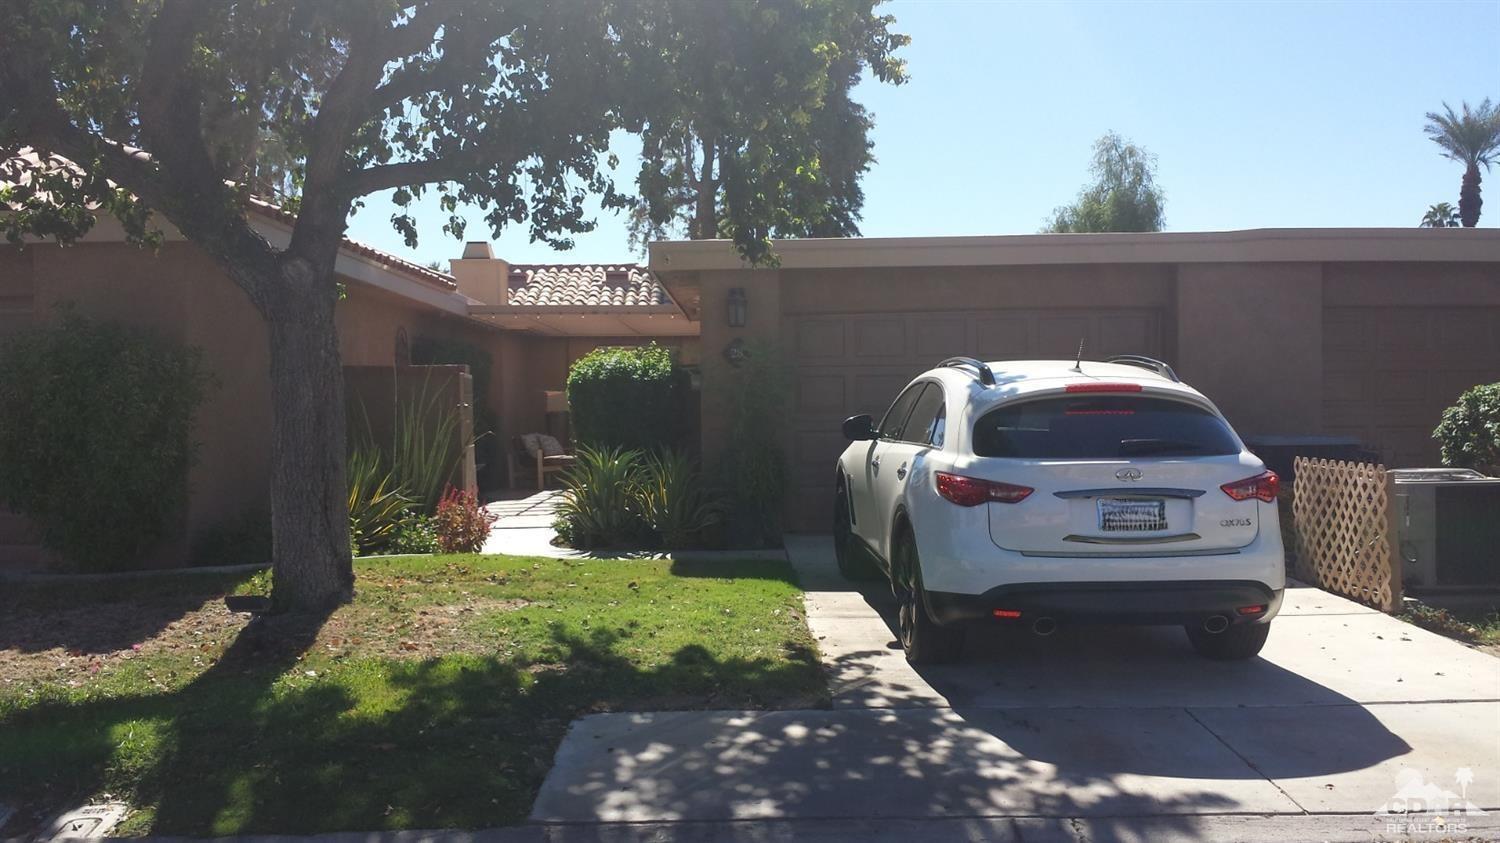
1095	386
971	491
1263	486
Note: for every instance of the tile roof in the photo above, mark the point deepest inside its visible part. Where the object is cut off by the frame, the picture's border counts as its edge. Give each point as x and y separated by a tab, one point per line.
18	168
421	273
584	285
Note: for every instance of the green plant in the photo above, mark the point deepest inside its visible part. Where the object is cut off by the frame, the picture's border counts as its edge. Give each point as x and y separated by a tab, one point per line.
245	540
96	423
600	502
421	454
626	398
1469	432
377	505
461	524
754	460
417	534
671	498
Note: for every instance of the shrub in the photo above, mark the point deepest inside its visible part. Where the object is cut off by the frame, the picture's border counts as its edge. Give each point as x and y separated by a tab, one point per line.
627	398
753	458
245	540
600	504
671	498
421	456
96	425
415	535
1469	432
377	505
462	524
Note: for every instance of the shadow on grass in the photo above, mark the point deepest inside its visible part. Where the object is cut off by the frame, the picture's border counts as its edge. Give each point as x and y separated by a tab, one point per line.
101	616
736	569
256	745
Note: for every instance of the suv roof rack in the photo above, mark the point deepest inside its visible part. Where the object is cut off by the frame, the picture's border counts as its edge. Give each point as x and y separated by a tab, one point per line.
981	371
1146	363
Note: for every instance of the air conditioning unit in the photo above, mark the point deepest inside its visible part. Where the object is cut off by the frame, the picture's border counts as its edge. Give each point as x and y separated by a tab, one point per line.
1448	527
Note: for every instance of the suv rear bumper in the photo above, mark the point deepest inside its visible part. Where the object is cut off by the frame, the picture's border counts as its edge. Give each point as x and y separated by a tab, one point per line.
1144	603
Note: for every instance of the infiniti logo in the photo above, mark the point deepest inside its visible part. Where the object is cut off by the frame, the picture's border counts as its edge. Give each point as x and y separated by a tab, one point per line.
1128	474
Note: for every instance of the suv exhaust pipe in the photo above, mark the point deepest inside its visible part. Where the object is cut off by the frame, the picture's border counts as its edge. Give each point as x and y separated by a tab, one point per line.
1044	626
1216	624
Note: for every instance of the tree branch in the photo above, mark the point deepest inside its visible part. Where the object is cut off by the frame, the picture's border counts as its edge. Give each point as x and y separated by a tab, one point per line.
386	176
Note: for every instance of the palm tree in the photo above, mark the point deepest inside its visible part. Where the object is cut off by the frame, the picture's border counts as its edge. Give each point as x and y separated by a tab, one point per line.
1471	139
1441	215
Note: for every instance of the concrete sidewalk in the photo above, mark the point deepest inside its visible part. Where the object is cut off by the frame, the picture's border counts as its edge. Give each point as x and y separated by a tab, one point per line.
1100	733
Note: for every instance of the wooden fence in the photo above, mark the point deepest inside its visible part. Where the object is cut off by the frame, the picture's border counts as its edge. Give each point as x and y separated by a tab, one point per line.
1345	518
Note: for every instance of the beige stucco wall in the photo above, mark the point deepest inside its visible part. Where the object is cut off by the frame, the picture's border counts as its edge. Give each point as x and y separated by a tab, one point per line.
1254	335
181	293
1249	336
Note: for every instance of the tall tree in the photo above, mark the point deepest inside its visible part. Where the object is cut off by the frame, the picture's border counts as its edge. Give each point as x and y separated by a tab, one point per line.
1441	215
1470	138
1122	197
504	106
758	135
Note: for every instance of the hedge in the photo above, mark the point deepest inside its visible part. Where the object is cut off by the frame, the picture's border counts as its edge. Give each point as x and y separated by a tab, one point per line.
96	437
627	398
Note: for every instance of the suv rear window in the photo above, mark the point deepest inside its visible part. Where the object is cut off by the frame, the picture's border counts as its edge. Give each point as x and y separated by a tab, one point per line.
1102	427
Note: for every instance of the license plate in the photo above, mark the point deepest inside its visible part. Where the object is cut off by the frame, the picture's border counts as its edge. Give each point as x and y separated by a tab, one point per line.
1131	516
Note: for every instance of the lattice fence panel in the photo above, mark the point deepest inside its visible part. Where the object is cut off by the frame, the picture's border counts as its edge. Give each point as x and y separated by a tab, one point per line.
1344	531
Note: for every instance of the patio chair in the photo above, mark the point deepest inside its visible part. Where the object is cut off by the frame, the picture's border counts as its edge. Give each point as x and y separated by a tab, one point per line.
538	452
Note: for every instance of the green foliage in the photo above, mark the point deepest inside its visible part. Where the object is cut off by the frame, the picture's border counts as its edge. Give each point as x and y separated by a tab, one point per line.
422	453
378	505
417	534
754	460
461	524
1469	432
1123	196
627	398
733	152
245	540
600	503
670	496
96	441
1441	215
487	433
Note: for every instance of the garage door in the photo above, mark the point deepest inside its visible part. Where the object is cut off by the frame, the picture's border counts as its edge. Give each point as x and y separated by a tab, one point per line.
1389	372
847	364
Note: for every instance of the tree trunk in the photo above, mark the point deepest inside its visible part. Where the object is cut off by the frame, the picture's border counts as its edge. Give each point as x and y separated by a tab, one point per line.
309	495
705	215
1469	202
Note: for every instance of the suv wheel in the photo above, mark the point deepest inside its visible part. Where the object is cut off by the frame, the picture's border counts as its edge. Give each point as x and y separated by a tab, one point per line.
1239	642
923	639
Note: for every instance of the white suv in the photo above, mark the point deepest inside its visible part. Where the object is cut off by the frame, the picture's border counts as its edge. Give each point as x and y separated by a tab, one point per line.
1047	492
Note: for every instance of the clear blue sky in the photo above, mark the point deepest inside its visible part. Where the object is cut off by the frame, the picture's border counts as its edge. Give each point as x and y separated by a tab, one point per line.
1261	114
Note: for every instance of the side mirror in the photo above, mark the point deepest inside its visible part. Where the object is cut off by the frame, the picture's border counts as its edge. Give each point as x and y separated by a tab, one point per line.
859	428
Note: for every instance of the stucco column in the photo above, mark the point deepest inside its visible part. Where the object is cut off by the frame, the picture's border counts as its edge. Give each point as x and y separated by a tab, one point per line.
762	325
1250	337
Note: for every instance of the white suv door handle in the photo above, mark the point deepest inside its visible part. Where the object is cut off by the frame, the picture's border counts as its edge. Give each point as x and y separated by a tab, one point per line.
875	464
901	472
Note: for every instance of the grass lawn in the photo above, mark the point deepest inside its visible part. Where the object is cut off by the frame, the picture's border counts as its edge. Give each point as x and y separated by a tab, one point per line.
436	699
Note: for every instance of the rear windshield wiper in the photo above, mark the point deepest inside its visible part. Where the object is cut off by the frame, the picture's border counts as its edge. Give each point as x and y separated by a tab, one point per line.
1133	447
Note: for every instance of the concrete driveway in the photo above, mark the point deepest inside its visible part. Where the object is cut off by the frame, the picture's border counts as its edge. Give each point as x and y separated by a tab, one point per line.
1096	734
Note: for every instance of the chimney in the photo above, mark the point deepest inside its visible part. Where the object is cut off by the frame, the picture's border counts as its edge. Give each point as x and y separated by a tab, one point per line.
480	275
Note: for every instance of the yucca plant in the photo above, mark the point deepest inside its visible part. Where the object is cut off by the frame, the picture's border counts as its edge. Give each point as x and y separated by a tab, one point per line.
423	455
600	503
377	506
673	500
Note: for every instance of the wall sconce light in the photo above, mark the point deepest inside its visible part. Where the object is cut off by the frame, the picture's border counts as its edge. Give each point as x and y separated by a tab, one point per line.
738	307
